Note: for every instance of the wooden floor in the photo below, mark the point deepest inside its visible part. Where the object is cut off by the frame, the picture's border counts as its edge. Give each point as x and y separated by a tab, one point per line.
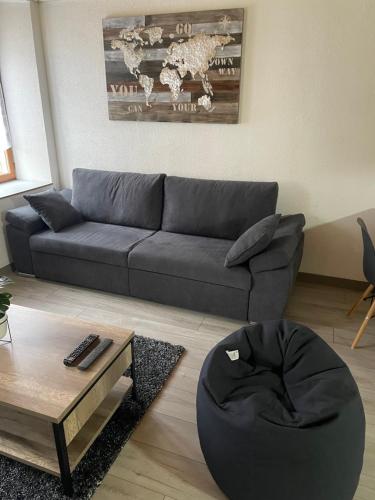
162	460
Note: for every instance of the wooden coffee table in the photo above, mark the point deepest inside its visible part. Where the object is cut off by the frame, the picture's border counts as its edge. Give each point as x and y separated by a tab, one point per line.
51	414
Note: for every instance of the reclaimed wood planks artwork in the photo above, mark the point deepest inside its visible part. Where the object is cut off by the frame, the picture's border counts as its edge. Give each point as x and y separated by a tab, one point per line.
174	67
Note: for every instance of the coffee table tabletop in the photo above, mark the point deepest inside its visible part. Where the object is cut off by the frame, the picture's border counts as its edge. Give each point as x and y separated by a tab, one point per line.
50	414
34	379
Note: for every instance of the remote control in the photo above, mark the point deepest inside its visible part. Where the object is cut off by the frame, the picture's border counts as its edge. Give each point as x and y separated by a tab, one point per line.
95	353
79	350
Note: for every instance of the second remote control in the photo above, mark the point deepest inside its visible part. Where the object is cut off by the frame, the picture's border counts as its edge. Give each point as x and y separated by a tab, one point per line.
95	353
80	349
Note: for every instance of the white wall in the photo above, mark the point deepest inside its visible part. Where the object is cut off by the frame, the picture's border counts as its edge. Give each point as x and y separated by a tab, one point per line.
307	112
24	83
19	74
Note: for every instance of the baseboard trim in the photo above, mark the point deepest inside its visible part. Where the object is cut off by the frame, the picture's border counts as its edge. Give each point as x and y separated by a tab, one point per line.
6	269
331	281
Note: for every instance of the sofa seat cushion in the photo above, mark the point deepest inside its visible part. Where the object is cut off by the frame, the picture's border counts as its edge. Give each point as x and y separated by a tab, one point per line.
192	257
105	243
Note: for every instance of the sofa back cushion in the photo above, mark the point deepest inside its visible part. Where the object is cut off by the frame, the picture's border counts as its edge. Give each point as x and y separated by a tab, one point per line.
123	198
219	209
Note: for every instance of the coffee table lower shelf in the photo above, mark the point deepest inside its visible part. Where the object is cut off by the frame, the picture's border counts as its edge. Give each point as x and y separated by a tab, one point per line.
39	450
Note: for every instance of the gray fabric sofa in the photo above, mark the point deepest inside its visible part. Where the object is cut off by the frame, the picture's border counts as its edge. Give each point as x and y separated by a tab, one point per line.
164	239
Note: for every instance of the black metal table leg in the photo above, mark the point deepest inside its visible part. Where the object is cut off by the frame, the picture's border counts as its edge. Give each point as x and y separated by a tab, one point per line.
132	371
62	455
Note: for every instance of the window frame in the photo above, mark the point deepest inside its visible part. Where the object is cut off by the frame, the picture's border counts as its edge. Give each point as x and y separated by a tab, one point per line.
9	159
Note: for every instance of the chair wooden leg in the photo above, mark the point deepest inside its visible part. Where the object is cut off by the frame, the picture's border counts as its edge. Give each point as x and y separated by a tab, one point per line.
362	329
365	294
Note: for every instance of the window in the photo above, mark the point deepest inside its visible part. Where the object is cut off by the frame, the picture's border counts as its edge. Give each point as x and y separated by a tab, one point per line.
7	168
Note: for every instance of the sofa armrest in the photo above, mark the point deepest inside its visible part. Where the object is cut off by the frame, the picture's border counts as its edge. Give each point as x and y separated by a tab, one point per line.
283	246
23	222
25	219
270	289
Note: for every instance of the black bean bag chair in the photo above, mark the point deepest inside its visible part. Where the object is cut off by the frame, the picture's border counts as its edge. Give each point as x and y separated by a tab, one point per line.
284	421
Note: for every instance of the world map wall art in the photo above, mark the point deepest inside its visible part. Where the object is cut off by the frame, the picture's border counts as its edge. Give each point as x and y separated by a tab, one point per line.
182	67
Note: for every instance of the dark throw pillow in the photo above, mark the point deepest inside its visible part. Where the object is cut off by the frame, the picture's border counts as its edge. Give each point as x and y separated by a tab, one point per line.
54	209
252	241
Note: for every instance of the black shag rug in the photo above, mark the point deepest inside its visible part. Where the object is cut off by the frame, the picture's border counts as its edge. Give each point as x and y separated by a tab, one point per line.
154	361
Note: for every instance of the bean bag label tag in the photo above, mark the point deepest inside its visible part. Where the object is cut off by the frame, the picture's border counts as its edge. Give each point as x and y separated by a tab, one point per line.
233	355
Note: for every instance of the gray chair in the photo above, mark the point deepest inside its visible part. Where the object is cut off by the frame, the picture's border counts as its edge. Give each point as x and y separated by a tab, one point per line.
369	272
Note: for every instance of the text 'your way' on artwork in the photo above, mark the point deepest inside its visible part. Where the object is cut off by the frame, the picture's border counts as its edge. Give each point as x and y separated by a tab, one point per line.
174	67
